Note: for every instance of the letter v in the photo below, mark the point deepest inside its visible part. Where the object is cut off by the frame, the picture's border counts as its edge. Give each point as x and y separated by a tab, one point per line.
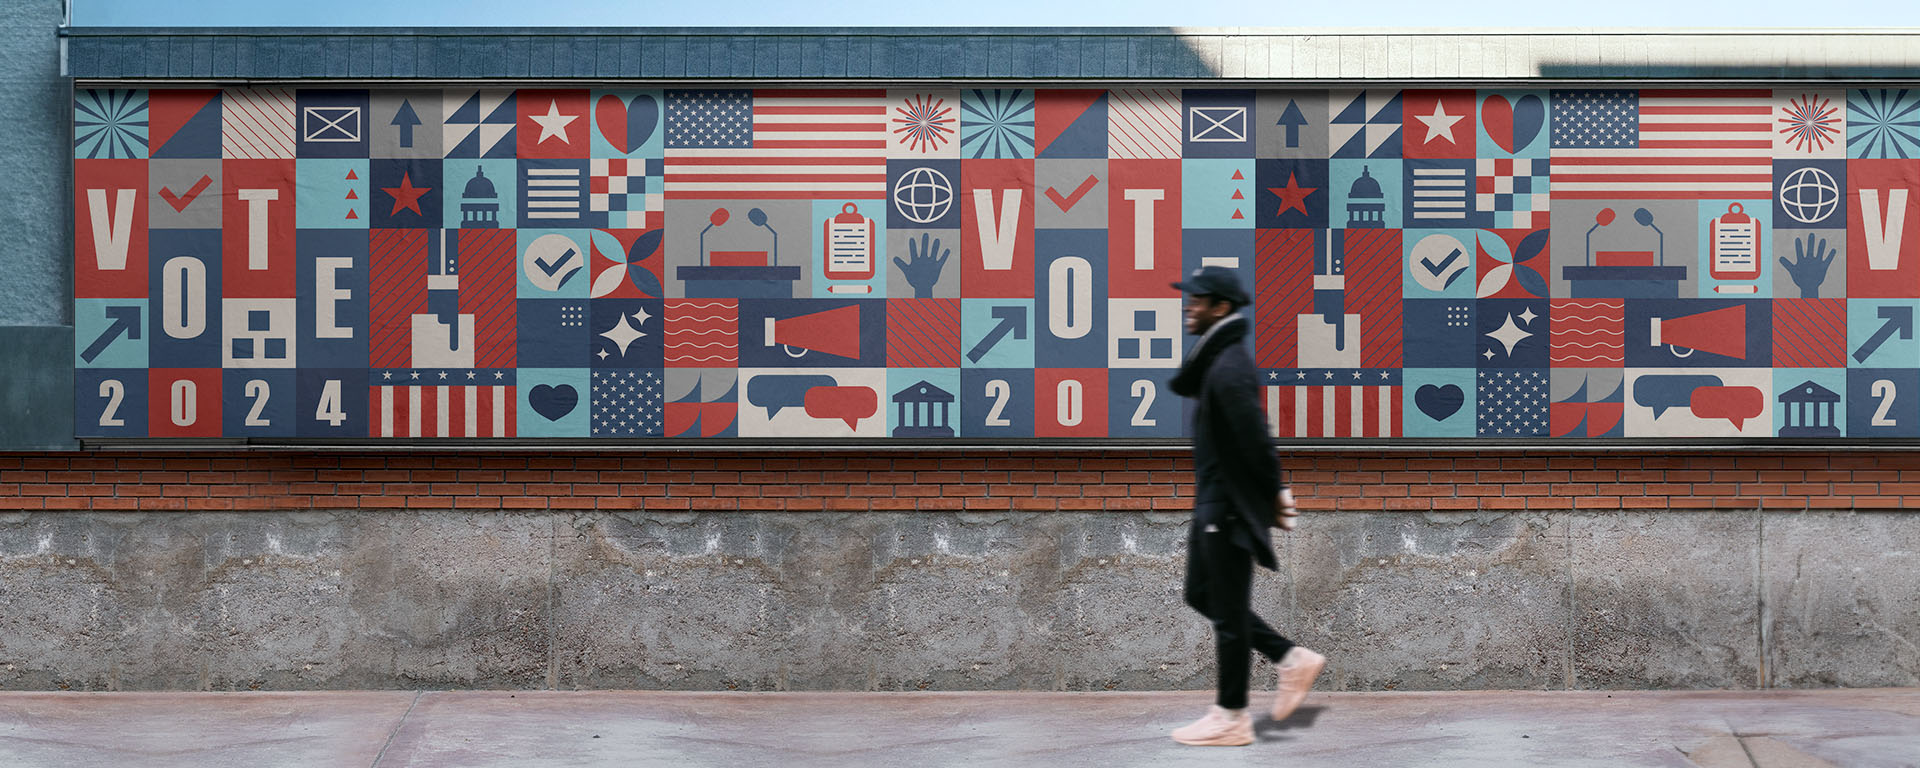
997	237
111	228
1883	235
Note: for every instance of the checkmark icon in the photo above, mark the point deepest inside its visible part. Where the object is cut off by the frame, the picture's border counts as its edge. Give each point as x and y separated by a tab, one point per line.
1438	269
180	202
559	262
1066	202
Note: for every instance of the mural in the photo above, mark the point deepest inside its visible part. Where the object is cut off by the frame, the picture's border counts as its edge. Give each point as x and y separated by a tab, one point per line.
992	263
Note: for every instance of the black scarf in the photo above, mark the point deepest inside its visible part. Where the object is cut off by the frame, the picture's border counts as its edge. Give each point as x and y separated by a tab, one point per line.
1225	333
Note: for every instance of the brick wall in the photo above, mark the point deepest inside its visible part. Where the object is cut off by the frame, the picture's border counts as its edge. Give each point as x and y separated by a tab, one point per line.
973	480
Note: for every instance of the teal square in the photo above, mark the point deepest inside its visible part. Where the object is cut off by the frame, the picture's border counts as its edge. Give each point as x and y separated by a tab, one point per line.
541	394
1217	194
479	191
1895	348
1366	193
553	263
922	403
331	194
1439	263
979	334
1715	271
1438	402
101	330
852	241
1802	394
628	124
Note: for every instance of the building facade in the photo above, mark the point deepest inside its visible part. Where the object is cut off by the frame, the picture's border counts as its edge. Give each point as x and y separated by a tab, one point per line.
788	359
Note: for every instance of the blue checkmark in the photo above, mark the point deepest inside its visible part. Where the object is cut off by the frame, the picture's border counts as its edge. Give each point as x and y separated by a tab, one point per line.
1437	269
554	268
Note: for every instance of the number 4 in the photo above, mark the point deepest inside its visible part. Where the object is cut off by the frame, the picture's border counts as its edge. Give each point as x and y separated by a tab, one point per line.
331	409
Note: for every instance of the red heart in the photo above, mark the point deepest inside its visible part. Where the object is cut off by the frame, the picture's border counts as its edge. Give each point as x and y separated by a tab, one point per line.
1496	115
611	115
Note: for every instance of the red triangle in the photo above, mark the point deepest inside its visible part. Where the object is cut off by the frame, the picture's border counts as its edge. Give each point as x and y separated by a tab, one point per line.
1237	176
1236	214
1238	196
350	174
351	214
169	111
352	195
1055	112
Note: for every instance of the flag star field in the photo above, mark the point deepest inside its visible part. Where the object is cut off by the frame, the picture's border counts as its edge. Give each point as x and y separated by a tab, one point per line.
992	263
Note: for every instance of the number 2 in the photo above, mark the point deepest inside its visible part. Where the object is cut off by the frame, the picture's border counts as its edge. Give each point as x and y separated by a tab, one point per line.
113	391
1143	389
1000	392
1883	389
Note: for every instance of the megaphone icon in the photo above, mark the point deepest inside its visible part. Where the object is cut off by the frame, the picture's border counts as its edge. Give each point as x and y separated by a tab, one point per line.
833	331
1720	331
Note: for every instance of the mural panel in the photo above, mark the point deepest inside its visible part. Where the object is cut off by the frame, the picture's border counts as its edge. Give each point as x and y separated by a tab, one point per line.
992	263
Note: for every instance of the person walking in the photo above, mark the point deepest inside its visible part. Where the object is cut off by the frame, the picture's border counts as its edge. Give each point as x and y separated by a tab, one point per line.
1238	495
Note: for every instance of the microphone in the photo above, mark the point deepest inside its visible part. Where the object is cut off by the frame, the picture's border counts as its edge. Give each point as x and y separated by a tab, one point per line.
717	218
1645	217
1601	219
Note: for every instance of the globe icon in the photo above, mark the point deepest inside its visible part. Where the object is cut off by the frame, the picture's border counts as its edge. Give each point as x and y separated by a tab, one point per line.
923	195
1809	195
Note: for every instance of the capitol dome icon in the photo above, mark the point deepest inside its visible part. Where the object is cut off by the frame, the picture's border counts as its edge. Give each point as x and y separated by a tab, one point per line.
1366	204
479	206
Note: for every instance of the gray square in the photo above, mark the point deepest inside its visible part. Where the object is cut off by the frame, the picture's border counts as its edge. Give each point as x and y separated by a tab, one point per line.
787	234
1678	220
417	133
1793	246
1070	194
178	199
1290	124
902	244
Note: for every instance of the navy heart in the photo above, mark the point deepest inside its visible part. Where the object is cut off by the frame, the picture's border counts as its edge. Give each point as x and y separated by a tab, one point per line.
1439	402
553	402
642	115
1529	114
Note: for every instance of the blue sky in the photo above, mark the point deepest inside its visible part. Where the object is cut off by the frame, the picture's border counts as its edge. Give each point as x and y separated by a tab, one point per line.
1798	14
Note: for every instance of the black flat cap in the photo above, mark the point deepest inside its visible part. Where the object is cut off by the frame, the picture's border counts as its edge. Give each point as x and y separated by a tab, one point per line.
1218	282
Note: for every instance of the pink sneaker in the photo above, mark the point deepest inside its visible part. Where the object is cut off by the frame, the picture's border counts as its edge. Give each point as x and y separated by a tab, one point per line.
1297	671
1220	728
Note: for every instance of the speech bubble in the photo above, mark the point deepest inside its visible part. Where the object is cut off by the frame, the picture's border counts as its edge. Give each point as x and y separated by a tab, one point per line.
787	390
848	404
1735	404
1663	391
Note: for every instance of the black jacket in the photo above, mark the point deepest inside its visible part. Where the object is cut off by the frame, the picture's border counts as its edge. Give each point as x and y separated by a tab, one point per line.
1234	461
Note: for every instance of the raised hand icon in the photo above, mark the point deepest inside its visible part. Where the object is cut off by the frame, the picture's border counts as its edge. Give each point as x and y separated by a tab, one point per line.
923	267
1809	266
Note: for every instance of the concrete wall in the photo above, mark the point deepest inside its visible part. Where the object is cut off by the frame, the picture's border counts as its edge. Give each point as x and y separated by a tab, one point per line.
593	586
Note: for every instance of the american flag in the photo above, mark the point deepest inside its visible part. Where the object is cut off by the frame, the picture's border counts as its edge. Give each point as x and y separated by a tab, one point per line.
1678	143
443	403
1334	403
806	144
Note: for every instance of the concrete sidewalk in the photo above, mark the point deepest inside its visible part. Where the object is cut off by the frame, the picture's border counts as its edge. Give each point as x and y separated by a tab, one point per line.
485	729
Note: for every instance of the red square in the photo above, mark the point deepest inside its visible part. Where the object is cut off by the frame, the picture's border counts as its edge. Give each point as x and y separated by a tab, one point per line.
183	402
1070	402
257	264
1437	124
1143	198
552	124
996	243
110	229
923	333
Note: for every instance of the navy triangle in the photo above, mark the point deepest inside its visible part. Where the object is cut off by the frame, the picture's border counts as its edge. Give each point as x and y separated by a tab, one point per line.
503	114
1086	136
1389	113
504	148
469	111
1355	111
200	137
468	147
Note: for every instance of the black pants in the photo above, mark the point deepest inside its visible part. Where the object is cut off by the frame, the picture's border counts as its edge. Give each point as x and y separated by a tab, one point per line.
1220	587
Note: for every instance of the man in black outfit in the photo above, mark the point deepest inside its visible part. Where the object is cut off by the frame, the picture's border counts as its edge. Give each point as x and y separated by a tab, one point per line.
1238	496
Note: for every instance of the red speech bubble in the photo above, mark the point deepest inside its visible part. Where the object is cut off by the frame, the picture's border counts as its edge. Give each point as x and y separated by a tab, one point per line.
848	404
1735	404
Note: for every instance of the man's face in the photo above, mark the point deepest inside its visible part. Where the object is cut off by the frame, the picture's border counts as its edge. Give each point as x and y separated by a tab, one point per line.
1203	311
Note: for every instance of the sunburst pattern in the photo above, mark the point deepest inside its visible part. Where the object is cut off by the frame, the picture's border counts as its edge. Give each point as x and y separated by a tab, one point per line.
109	124
924	124
1883	124
996	123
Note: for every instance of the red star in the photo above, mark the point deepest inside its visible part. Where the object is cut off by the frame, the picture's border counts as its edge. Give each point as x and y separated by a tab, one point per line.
406	195
1292	195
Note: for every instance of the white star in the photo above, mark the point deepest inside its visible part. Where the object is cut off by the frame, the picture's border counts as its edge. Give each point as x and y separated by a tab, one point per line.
414	375
1439	124
1508	334
553	123
470	375
386	375
1528	316
443	375
641	316
622	334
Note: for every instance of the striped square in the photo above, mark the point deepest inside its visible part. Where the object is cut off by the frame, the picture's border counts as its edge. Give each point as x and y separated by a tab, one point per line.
1809	333
1144	124
256	123
923	333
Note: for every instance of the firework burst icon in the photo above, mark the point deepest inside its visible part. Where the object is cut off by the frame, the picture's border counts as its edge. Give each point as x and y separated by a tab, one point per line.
925	123
1810	123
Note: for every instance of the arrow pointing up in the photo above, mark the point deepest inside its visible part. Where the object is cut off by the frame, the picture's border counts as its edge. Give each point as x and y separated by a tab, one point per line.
1292	119
405	119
